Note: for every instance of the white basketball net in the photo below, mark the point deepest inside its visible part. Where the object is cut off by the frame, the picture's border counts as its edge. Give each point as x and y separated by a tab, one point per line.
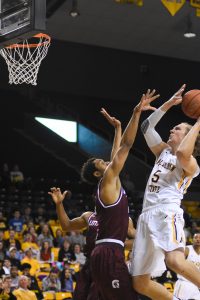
24	59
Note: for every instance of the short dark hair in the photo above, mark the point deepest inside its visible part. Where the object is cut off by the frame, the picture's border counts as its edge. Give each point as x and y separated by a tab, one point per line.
87	172
25	266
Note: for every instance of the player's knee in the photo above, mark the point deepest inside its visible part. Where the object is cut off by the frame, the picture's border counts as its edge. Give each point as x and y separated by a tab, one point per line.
174	264
140	285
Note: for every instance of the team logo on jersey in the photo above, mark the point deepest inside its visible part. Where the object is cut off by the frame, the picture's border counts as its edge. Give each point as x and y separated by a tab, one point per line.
93	223
115	284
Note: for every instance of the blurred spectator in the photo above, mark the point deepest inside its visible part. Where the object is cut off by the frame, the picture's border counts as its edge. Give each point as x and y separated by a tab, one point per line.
5	176
12	257
6	293
16	176
45	253
12	241
23	292
17	221
76	237
65	253
6	266
40	226
2	251
30	228
18	254
51	282
3	221
33	286
14	277
66	281
195	227
1	235
59	239
40	215
2	272
33	234
80	257
45	235
32	261
28	243
27	217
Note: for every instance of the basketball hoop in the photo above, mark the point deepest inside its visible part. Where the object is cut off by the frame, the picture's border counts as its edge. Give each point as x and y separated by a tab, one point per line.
24	59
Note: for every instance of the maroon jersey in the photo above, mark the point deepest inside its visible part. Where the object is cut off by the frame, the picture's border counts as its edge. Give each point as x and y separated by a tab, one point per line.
108	268
91	234
113	219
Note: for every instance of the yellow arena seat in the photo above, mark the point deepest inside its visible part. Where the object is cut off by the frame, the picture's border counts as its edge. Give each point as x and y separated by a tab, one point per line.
75	267
63	295
55	253
52	222
44	266
49	296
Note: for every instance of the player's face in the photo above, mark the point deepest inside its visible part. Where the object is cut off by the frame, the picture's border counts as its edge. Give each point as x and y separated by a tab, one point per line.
177	134
100	164
196	239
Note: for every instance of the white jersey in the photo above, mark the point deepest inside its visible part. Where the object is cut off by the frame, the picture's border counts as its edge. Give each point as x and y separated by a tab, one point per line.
194	257
183	288
167	183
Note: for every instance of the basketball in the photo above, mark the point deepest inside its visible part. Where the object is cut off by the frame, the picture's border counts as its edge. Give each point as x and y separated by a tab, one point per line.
191	104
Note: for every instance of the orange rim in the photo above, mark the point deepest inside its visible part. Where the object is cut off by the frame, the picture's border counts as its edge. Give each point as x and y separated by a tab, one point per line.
39	35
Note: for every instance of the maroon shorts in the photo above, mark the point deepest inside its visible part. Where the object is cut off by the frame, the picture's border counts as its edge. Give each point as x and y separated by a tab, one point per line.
110	273
85	289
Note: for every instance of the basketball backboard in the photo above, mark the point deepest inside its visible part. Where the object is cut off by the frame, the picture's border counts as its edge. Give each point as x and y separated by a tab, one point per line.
21	19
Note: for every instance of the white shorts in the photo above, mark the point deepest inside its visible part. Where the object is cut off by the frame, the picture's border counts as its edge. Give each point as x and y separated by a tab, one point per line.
186	290
159	230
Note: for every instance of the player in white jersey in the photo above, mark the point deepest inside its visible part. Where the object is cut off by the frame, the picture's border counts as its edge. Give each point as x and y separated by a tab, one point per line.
184	288
160	235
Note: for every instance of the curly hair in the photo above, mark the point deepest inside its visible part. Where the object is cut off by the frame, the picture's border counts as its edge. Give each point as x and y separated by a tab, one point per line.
196	151
87	172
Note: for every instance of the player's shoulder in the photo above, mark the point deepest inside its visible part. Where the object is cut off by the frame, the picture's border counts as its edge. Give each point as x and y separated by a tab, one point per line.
86	215
165	151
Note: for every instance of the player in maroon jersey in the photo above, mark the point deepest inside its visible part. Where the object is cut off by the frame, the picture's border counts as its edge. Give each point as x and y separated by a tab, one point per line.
109	271
87	220
84	289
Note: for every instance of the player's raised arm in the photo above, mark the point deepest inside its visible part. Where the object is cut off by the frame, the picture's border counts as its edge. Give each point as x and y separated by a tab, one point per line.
186	149
118	131
153	139
67	224
129	134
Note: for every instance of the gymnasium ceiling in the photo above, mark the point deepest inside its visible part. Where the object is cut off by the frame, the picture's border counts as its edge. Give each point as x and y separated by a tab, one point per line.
149	29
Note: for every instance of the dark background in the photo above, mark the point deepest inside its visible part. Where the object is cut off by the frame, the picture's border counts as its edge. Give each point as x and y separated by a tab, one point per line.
77	78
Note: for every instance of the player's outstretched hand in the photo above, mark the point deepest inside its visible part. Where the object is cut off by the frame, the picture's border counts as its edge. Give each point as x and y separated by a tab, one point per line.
177	97
112	120
145	102
56	195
